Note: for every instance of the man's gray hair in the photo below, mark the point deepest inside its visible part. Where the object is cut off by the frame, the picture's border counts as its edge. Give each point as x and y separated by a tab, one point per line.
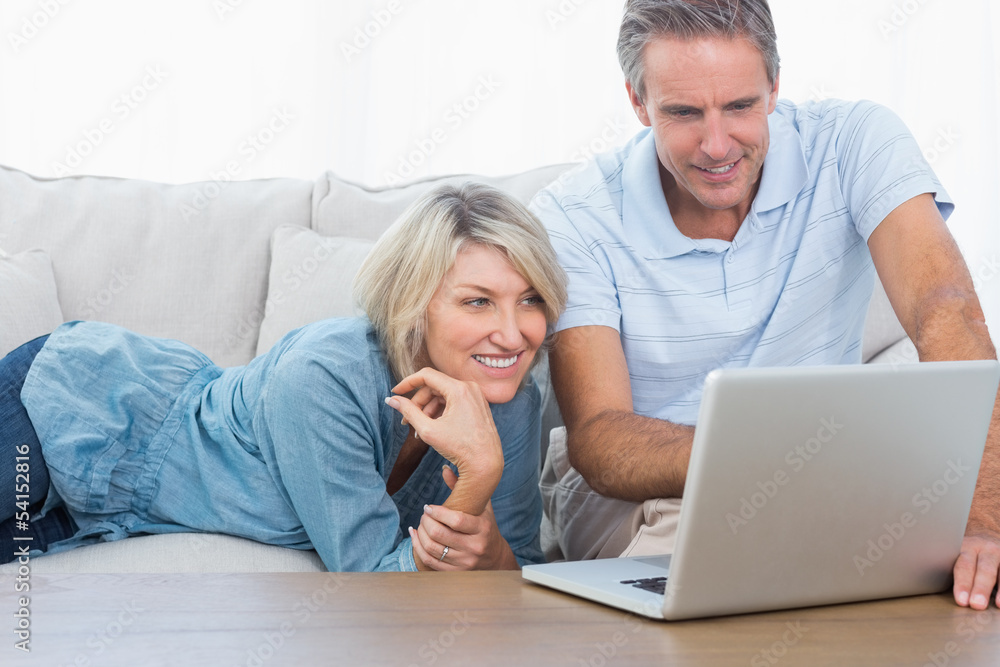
646	20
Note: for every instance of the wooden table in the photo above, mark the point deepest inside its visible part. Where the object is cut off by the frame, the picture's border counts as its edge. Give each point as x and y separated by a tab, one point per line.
490	618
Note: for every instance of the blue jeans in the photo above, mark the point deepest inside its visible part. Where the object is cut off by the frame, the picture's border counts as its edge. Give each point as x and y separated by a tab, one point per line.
23	476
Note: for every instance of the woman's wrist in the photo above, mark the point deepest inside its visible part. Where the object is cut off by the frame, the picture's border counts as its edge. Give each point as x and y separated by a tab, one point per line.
475	486
472	493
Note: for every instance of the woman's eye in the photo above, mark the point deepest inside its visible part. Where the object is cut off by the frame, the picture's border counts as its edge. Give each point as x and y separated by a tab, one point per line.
533	301
478	303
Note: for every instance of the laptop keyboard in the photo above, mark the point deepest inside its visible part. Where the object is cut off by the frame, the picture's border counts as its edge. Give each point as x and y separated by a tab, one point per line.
651	584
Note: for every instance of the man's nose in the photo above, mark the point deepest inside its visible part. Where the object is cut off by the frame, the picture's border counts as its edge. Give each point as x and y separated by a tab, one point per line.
715	141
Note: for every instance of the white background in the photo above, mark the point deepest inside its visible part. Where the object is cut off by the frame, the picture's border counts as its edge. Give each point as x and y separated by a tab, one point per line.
369	88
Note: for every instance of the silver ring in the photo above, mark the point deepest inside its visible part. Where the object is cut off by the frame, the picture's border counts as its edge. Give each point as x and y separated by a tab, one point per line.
443	553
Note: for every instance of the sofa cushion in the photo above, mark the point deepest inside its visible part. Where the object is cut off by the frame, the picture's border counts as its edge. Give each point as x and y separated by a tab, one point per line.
176	552
342	208
902	351
310	280
179	261
882	328
29	305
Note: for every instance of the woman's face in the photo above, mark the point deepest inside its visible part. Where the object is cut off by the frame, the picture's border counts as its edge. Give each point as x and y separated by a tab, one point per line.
484	323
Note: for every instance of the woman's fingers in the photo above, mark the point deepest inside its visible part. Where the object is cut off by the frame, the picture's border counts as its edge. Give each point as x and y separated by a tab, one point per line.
430	553
425	377
458	423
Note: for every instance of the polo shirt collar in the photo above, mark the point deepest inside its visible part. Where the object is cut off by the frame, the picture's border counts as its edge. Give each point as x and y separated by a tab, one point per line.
785	168
646	219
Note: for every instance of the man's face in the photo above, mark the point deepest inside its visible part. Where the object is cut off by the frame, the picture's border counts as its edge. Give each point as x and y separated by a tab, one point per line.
707	101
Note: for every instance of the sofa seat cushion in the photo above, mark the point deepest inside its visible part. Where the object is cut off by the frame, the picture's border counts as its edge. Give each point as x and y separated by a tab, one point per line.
177	552
29	304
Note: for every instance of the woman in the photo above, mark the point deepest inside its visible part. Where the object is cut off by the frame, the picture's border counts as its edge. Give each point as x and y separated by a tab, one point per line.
337	439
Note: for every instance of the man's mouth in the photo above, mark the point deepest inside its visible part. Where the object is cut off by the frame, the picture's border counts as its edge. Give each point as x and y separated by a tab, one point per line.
720	170
496	362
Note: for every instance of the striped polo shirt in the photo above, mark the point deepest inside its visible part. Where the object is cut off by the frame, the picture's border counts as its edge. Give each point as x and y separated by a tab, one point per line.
792	288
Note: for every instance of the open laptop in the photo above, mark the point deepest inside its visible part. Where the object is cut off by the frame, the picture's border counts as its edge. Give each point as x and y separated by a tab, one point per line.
811	486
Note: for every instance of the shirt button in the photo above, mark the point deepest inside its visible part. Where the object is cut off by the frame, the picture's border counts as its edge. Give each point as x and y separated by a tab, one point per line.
731	258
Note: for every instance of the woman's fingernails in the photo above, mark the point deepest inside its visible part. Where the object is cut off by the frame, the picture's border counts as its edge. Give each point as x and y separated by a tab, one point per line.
392	402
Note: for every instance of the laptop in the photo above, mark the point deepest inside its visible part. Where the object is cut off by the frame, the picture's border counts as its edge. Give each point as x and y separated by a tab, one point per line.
811	486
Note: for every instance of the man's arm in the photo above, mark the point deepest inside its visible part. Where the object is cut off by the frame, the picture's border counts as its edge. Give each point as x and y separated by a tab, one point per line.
620	454
931	291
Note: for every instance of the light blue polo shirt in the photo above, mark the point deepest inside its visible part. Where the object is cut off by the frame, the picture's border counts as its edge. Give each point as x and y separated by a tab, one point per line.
792	288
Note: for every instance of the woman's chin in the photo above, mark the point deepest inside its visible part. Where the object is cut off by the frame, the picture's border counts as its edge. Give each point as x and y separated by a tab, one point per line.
498	395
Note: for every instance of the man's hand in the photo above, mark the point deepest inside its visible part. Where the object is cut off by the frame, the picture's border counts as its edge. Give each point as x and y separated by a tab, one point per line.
976	570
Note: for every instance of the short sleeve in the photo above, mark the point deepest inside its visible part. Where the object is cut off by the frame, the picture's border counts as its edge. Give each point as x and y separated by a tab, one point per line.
881	166
573	225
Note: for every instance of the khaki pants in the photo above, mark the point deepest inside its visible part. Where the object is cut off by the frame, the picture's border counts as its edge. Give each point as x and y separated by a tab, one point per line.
589	525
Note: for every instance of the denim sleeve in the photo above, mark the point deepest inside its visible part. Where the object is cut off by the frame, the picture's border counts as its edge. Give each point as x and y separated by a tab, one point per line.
321	432
517	501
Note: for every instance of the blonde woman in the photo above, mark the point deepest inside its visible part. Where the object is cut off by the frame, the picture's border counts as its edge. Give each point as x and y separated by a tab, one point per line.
402	441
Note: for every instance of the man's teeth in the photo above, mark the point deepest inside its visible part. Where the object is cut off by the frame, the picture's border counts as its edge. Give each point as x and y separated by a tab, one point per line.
495	363
720	170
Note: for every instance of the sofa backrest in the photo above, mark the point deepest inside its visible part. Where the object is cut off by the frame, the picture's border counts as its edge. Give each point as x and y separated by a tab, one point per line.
179	261
342	208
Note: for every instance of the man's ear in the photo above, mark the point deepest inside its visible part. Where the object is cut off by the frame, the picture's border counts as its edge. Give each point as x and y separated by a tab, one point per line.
772	100
637	105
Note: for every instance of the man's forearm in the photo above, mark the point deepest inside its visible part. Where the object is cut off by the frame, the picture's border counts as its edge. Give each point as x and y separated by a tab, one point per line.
955	329
627	456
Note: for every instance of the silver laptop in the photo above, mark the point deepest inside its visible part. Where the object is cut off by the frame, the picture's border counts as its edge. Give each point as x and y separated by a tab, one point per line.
811	486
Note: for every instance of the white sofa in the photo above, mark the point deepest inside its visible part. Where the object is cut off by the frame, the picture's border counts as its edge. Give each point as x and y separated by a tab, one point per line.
227	267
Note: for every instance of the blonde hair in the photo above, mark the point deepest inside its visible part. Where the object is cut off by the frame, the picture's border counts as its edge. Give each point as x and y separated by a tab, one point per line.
397	280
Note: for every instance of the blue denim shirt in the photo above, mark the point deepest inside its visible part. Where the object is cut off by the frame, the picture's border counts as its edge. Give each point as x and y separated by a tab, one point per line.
146	435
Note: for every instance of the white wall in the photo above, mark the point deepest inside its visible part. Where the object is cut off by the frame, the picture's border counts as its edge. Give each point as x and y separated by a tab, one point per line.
179	90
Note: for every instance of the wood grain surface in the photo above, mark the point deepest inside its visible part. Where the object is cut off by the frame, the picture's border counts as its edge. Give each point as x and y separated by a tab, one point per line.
473	618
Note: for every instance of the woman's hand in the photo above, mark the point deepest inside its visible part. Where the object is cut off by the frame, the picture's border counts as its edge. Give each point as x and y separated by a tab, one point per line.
454	418
474	542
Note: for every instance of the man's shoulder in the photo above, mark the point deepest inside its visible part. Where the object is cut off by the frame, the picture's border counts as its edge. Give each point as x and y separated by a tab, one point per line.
817	120
596	177
588	195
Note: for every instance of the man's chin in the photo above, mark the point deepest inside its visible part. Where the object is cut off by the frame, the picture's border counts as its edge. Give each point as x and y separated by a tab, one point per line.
718	199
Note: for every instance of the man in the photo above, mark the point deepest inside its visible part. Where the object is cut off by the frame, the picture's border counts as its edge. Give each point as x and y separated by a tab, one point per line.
736	231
